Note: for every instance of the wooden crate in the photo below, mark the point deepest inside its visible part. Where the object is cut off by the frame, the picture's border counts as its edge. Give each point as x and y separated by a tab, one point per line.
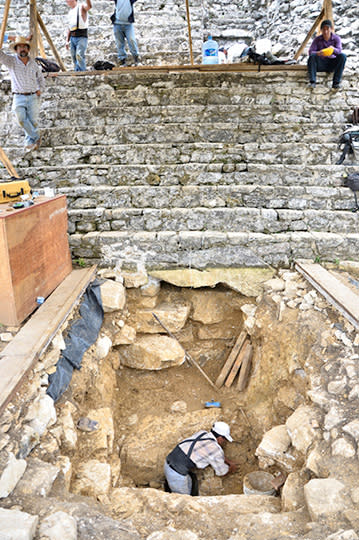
34	255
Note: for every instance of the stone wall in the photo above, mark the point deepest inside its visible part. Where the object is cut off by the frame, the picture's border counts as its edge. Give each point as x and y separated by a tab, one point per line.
195	169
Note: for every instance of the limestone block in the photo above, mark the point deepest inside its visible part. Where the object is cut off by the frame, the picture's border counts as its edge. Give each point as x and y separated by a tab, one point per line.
334	417
179	407
152	287
173	316
65	465
353	429
68	434
29	439
59	526
41	414
274	447
100	440
92	478
323	497
11	470
171	534
113	295
146	446
16	525
134	280
125	336
302	427
37	479
293	492
274	284
103	347
152	352
349	534
342	447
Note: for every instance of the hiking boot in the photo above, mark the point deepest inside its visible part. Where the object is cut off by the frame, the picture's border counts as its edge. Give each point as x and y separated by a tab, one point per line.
37	143
312	85
31	147
136	61
336	87
122	62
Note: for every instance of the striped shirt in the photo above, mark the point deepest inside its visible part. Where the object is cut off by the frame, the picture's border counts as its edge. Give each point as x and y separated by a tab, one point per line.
206	452
24	78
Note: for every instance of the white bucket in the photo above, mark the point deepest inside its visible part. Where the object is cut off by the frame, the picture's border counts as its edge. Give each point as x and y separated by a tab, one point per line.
258	483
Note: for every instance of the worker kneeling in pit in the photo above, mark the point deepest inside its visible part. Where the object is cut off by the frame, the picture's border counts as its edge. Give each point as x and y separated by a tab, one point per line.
202	449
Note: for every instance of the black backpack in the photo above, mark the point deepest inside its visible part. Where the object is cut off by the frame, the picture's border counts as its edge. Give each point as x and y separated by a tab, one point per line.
103	65
350	138
47	66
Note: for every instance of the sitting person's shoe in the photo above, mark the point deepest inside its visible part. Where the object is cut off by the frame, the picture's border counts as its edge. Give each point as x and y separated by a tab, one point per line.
136	61
121	62
336	86
312	85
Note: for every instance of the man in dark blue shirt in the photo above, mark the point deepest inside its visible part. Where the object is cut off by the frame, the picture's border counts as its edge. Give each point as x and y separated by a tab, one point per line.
325	54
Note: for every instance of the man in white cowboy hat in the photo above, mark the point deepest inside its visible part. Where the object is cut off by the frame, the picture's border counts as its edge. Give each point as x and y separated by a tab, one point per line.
27	83
197	452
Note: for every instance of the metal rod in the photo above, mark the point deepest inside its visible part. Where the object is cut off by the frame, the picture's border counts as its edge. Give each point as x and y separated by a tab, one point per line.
187	355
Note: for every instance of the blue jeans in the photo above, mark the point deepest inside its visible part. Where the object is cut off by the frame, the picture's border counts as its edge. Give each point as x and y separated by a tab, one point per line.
177	482
78	46
319	63
26	109
122	31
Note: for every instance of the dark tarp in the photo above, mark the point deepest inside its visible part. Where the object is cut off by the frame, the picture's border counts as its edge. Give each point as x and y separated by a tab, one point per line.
83	333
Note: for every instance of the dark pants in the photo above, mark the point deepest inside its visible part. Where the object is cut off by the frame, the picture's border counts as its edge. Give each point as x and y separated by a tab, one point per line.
320	63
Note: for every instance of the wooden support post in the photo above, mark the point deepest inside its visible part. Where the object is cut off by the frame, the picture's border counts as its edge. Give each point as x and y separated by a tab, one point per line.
231	359
237	364
4	22
34	29
245	368
189	32
50	42
41	46
328	10
7	163
309	35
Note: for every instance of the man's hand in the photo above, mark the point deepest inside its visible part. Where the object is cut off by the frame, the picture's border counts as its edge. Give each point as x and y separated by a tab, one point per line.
38	92
233	466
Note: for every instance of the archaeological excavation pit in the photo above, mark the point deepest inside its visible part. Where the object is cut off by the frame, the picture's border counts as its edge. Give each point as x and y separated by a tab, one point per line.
143	396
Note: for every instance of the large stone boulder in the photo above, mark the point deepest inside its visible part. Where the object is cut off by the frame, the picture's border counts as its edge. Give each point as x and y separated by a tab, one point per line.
173	316
303	428
152	352
324	498
113	295
273	449
11	470
92	478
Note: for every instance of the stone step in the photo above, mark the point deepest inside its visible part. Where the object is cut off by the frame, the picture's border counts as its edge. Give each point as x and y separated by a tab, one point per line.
211	197
258	220
162	155
166	249
77	174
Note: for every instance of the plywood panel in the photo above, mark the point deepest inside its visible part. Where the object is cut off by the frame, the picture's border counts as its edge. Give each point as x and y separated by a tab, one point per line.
37	251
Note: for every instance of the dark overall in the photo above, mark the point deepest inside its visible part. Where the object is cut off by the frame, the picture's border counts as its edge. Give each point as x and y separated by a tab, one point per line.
181	462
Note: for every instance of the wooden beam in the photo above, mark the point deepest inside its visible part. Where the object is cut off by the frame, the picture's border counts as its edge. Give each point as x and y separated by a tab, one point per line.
7	163
189	32
309	35
18	358
237	364
41	44
34	51
333	290
50	42
245	368
231	359
328	10
4	21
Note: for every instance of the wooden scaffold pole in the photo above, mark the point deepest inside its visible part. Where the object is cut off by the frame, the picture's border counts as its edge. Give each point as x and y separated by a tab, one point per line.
4	22
189	32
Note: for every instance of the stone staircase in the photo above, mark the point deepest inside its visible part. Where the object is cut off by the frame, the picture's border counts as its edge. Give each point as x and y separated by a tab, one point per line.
194	169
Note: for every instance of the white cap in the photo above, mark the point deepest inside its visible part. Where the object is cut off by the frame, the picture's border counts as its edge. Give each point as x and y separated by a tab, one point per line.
221	428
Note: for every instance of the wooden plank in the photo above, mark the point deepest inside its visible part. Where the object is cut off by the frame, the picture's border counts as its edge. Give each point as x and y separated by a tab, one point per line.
189	32
309	35
38	253
237	364
335	292
18	358
50	42
4	21
7	163
231	359
245	368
